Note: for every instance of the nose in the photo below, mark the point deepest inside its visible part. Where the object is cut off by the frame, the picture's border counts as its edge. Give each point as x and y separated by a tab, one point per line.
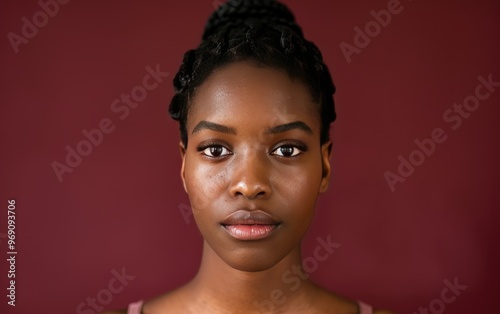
251	178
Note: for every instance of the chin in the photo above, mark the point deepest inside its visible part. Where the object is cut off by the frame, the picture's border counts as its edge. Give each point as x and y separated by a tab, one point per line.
251	263
252	256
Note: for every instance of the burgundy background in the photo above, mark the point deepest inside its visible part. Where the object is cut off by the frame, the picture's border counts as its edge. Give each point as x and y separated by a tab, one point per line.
119	207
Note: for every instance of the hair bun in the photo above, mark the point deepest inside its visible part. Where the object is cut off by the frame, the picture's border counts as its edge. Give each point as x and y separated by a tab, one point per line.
235	12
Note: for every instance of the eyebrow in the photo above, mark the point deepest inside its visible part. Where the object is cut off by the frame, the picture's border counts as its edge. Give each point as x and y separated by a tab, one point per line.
289	126
273	130
214	127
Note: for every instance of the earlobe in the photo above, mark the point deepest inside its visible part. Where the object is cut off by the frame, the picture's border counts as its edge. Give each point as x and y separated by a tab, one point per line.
182	150
326	150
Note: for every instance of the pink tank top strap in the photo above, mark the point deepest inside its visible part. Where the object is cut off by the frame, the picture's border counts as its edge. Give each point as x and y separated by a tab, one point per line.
135	308
365	308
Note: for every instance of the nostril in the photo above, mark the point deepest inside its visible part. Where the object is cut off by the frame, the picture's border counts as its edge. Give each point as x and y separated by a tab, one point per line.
251	194
250	190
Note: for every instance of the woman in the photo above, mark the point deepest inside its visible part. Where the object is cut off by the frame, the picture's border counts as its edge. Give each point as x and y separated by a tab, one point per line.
254	102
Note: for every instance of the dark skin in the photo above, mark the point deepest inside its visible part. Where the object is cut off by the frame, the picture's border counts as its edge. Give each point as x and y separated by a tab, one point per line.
253	143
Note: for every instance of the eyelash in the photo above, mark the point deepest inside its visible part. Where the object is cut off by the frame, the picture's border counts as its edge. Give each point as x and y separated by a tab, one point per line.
206	146
301	147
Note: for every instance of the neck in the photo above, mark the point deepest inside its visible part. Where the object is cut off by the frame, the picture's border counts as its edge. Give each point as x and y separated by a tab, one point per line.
225	289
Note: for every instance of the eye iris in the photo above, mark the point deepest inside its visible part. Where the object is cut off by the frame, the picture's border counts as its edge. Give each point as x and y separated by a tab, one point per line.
216	151
287	150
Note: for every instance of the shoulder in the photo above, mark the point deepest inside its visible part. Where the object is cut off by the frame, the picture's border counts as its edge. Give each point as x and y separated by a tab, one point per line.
330	301
326	301
134	307
168	300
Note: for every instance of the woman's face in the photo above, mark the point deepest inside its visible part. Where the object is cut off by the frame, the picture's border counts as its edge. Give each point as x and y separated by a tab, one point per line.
254	164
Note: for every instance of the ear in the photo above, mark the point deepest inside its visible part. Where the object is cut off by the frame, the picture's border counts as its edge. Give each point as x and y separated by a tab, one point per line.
326	150
182	150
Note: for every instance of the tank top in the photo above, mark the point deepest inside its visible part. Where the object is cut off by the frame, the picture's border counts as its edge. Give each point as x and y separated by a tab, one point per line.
136	307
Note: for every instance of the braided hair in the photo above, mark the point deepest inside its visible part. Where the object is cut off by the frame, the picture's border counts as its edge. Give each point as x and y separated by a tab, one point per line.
261	31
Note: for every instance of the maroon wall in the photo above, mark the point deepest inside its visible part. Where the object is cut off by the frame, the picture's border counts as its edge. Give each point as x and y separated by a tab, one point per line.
122	205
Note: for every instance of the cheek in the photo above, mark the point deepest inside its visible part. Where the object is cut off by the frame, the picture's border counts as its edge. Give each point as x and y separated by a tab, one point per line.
205	183
298	183
297	192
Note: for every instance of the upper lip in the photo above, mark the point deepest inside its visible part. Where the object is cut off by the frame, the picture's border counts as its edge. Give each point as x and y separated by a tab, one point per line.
249	217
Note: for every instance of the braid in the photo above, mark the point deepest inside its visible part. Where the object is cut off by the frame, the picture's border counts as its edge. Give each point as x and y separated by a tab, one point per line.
267	11
265	32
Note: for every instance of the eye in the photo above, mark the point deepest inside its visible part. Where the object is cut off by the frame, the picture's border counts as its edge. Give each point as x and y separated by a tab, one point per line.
215	151
287	151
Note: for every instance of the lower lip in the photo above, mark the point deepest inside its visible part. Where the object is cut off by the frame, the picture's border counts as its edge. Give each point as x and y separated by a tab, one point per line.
250	232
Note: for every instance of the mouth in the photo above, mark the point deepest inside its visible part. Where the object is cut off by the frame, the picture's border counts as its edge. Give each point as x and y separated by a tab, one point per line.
250	225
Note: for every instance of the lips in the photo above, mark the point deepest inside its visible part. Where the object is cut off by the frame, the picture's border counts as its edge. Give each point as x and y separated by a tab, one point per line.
250	224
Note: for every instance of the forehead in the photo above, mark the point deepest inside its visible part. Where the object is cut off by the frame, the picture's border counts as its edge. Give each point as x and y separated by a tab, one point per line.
243	91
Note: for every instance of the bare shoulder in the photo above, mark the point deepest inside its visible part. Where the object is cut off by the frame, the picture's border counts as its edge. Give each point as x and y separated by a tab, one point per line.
328	302
338	304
